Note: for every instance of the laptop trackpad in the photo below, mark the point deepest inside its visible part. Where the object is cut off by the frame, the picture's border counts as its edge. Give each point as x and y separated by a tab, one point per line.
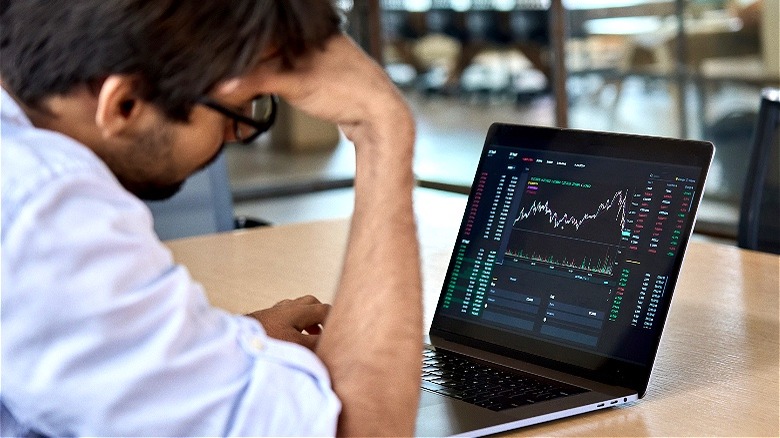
439	416
430	399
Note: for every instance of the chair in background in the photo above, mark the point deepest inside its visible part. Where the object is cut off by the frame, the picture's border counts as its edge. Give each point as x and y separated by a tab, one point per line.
203	205
400	29
530	34
759	222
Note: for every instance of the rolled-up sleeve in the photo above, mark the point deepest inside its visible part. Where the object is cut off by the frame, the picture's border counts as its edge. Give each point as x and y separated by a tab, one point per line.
313	404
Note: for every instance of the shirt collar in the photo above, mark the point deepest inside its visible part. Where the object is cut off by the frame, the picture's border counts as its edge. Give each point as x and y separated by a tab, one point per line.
11	111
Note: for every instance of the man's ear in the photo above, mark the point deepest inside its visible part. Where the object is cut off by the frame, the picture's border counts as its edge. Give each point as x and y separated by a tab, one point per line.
119	108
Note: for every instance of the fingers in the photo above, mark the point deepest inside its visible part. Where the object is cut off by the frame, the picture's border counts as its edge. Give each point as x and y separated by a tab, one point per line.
313	329
308	341
317	85
298	320
306	299
309	315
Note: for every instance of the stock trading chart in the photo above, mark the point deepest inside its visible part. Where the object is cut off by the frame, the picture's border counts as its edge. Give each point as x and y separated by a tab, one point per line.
568	247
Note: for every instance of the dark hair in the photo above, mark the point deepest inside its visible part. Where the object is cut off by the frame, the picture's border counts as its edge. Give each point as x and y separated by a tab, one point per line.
180	49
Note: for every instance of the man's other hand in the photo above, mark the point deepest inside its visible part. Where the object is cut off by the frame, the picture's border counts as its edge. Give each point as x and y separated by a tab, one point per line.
299	320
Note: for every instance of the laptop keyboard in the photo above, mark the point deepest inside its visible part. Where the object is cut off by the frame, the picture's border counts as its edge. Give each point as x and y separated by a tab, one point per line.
492	387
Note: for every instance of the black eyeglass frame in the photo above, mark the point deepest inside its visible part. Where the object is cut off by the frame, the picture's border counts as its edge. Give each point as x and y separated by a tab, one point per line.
261	126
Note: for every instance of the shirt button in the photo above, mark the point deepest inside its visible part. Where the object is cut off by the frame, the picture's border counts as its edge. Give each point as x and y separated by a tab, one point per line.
257	344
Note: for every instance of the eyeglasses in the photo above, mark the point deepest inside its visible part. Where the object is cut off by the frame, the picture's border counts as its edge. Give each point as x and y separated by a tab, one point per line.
254	119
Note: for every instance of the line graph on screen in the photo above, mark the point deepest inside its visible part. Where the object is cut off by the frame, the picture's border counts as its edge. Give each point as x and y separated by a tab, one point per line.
570	225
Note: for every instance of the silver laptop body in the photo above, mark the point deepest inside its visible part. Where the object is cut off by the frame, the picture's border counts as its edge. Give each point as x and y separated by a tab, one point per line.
564	268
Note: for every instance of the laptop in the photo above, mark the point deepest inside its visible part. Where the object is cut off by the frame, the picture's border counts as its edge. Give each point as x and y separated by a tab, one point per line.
561	277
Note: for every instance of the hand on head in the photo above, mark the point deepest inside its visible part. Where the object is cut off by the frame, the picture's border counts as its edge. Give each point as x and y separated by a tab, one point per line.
340	84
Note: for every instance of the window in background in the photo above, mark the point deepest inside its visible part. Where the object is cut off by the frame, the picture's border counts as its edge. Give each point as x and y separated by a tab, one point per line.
691	69
464	64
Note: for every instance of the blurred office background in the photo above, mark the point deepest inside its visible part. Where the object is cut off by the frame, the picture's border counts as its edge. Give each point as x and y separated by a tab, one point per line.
679	68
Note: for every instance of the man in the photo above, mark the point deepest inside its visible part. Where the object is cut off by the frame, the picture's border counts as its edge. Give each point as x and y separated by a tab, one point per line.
102	334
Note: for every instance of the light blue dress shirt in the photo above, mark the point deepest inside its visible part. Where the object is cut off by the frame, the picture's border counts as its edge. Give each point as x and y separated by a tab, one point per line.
103	334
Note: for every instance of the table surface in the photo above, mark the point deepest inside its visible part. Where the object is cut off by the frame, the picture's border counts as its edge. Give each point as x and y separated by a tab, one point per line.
717	369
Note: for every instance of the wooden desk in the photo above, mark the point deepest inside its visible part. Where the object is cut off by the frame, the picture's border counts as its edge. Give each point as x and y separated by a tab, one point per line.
717	372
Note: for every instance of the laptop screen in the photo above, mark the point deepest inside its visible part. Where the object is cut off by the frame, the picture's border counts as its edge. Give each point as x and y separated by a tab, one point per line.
571	243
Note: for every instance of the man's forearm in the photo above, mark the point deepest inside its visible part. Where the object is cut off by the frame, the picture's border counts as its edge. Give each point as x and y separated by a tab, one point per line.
372	340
